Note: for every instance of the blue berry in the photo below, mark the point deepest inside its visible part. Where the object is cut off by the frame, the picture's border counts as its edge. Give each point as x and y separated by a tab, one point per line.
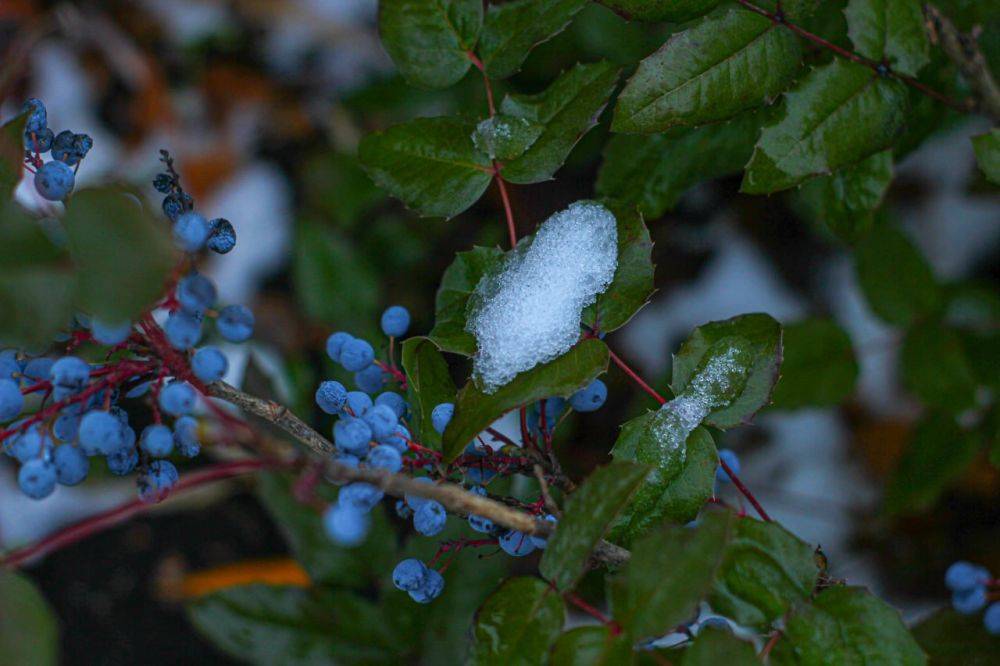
331	396
157	440
100	432
385	457
175	205
62	148
991	619
69	375
347	459
403	510
29	445
360	496
54	180
352	435
370	380
163	183
9	365
186	436
964	576
235	323
969	601
345	526
356	355
516	544
732	460
38	142
156	483
37	119
71	465
196	293
430	518
209	364
358	402
589	399
11	400
395	321
541	542
123	460
37	478
110	334
382	420
554	407
430	590
177	398
480	524
183	330
335	343
409	574
399	439
441	416
416	501
190	231
393	401
65	427
38	369
221	236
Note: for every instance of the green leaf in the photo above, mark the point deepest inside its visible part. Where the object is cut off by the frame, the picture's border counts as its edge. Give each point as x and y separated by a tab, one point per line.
652	172
591	646
430	40
29	633
429	384
846	625
715	646
430	164
748	345
586	516
457	285
730	61
567	109
838	115
844	201
506	137
632	285
766	569
654	11
11	154
952	639
895	278
938	452
819	367
890	31
563	376
987	147
668	575
518	623
935	368
512	29
122	255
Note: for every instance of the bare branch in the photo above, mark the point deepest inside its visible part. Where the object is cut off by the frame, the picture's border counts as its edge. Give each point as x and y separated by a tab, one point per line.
964	51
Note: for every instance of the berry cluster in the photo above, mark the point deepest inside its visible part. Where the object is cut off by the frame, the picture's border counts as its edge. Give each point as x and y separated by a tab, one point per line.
972	588
54	180
192	231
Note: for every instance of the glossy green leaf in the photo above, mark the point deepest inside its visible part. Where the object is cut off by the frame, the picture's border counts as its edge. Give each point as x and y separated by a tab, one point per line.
430	40
586	516
632	285
122	255
715	646
730	61
475	410
457	285
652	172
895	278
518	623
935	368
819	367
668	575
566	110
512	29
506	137
29	633
952	639
766	569
844	201
891	31
430	164
429	384
846	625
591	646
987	147
838	115
747	346
673	11
11	154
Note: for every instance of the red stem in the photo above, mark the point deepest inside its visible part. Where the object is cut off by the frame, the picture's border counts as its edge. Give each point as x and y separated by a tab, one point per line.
636	378
508	211
593	612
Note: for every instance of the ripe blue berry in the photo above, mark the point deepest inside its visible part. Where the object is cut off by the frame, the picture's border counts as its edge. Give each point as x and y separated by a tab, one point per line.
431	589
516	544
589	399
38	142
480	524
157	440
235	323
110	334
335	343
360	496
9	365
186	436
358	402
221	236
382	420
69	375
441	416
969	601
430	518
175	205
356	355
65	427
37	478
156	483
732	460
183	330
37	118
177	398
190	231
331	396
209	364
196	293
964	576
352	435
409	574
395	321
399	439
11	400
991	619
393	401
163	183
345	526
347	459
100	432
38	369
54	180
123	460
385	457
29	445
370	380
71	465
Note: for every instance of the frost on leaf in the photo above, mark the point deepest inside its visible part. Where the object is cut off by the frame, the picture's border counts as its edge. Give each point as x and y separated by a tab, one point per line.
505	137
528	311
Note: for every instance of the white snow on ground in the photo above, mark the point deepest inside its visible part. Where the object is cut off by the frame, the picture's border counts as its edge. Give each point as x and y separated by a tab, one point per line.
528	312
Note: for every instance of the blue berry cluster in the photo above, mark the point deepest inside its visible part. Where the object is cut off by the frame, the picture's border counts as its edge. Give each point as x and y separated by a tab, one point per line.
970	592
194	299
54	180
192	232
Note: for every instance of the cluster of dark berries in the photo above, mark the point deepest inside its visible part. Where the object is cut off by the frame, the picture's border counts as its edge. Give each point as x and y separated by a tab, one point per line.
55	179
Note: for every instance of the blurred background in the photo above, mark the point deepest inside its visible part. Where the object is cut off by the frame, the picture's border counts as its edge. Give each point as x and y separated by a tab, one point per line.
262	103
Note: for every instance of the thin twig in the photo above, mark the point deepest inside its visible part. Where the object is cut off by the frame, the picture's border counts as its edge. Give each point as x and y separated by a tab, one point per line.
550	503
964	51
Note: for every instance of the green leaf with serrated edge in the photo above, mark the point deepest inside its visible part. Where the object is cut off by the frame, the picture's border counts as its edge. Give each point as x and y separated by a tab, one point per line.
430	164
671	570
457	285
11	154
755	339
953	639
29	632
938	452
987	148
122	255
844	201
567	109
766	569
652	172
846	625
430	40
935	368
730	61
716	646
632	285
512	29
586	516
563	376
429	384
891	31
837	115
505	137
895	278
654	11
591	646
819	367
518	623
